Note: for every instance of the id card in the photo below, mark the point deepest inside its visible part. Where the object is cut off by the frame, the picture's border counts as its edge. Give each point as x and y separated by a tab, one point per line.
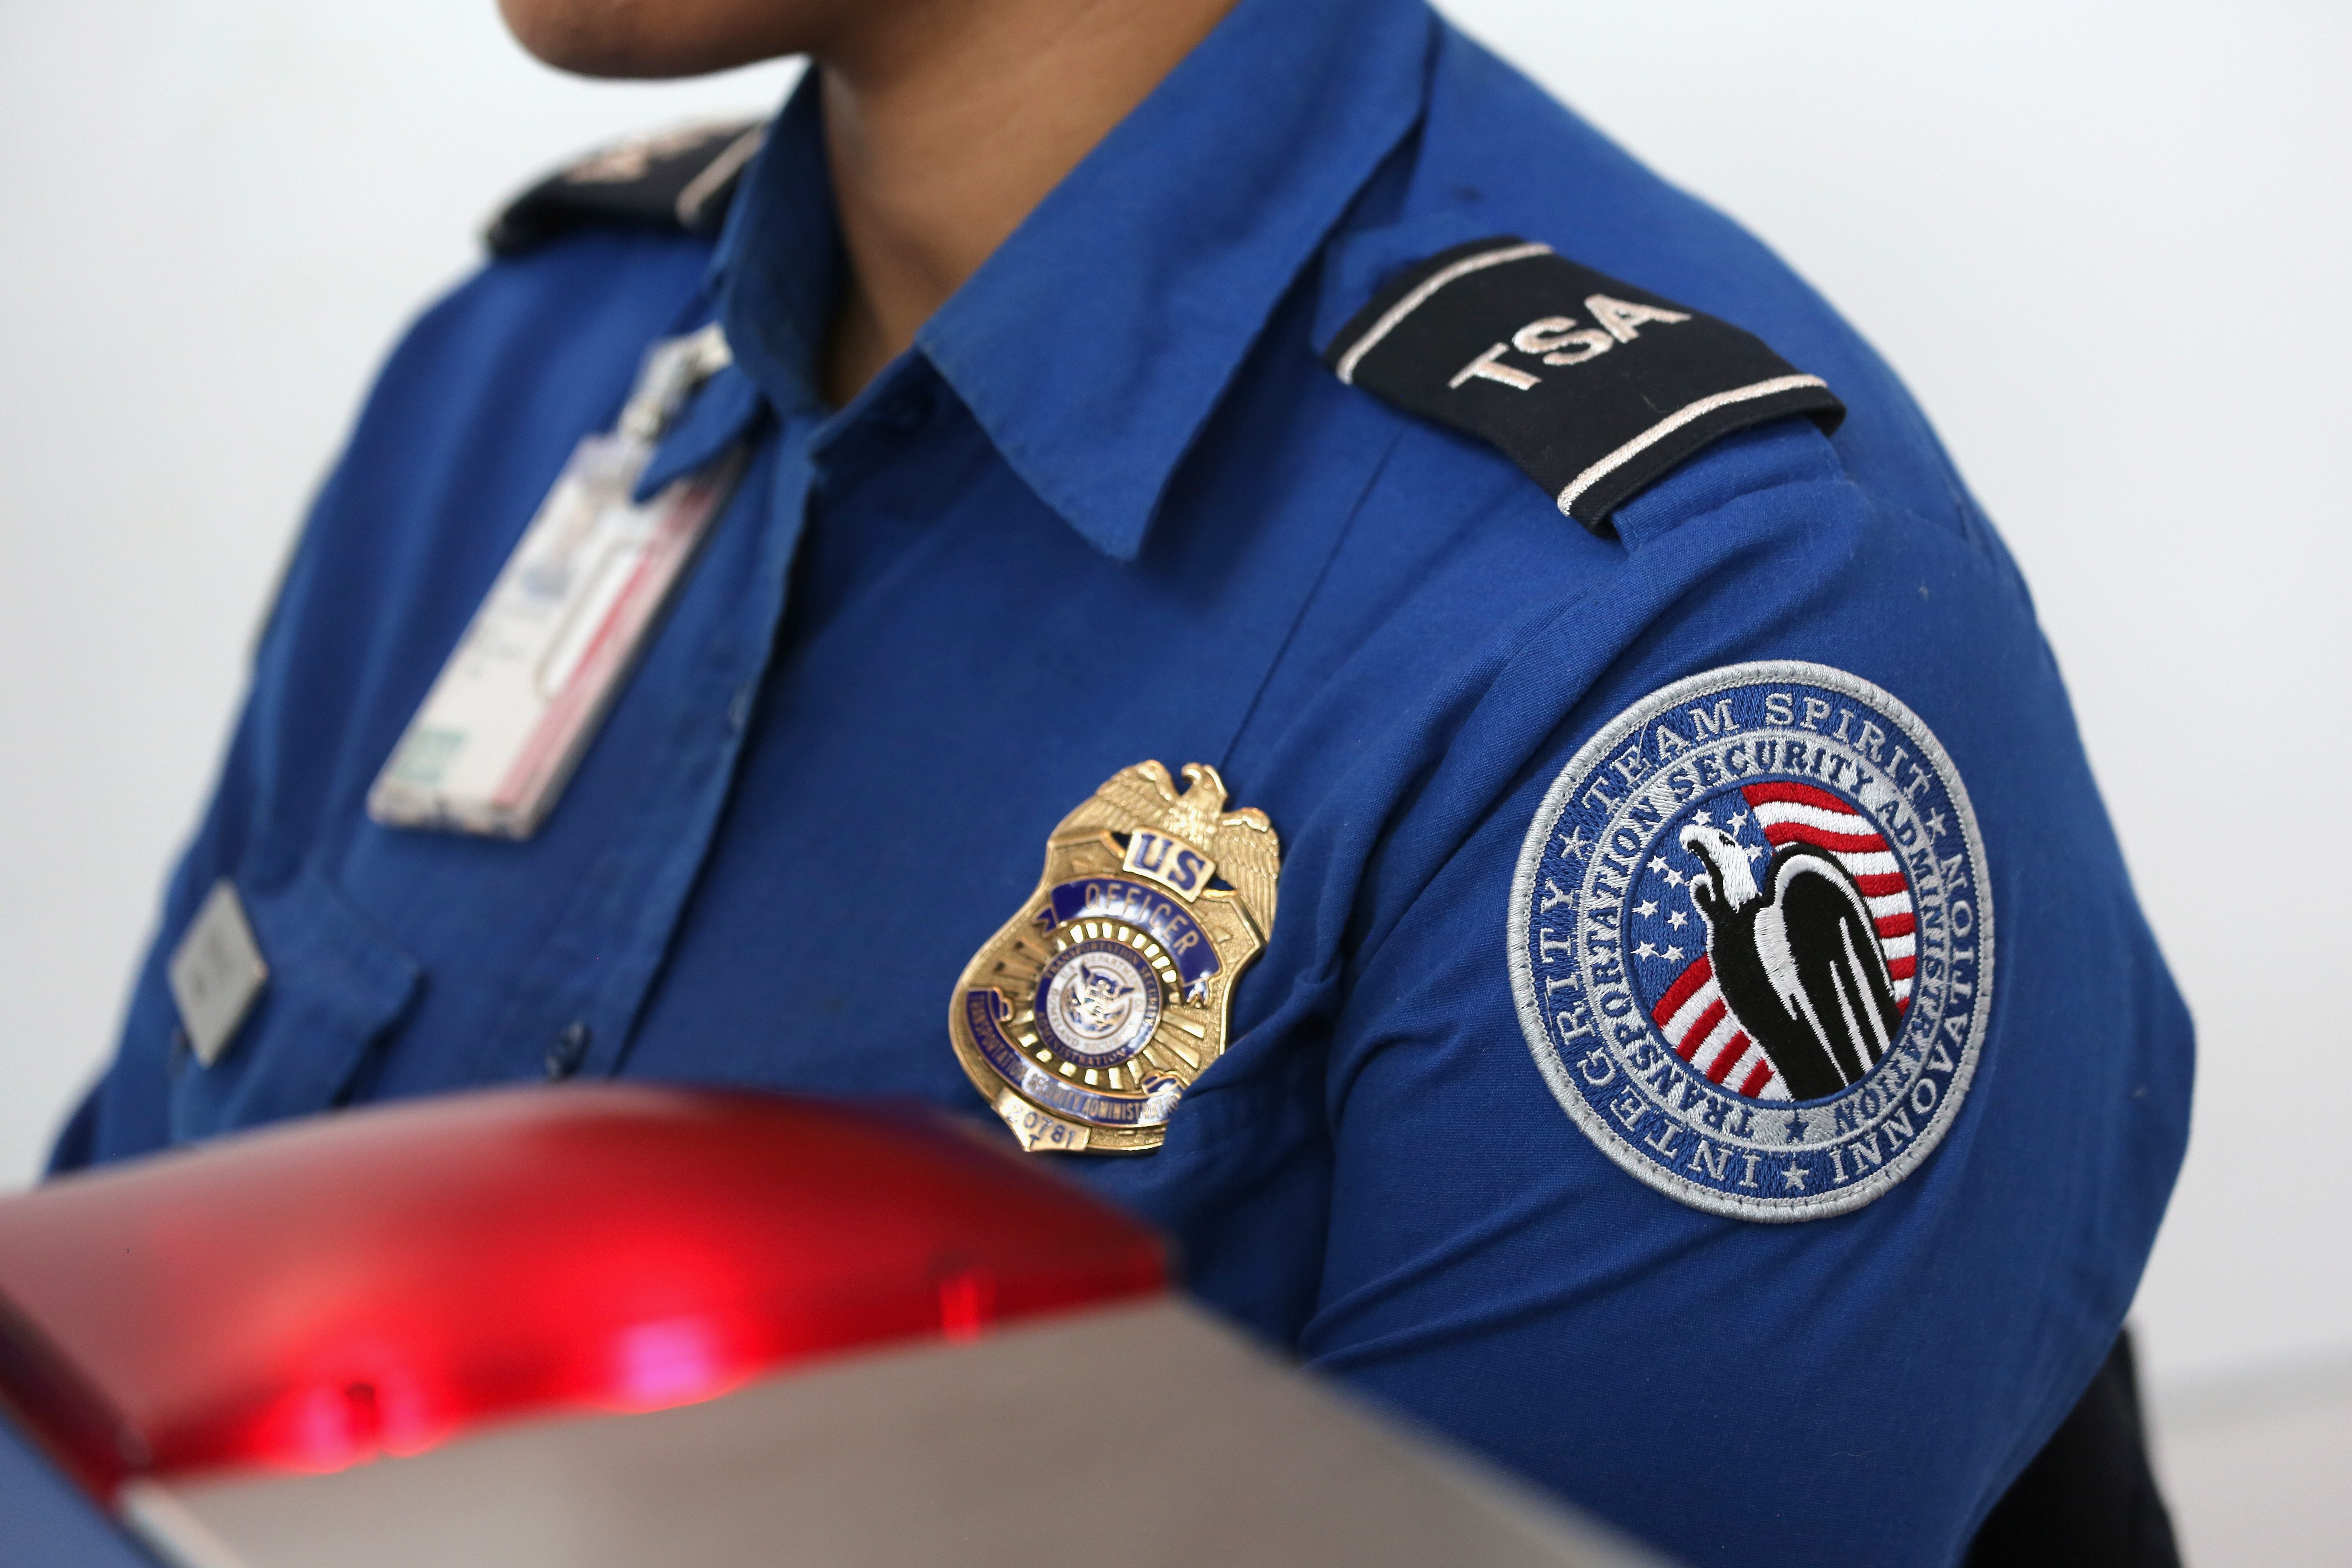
521	697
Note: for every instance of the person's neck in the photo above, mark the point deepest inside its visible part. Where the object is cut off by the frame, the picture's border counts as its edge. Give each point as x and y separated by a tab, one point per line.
944	133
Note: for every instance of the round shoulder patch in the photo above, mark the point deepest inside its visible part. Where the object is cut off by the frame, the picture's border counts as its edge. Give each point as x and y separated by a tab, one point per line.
1751	941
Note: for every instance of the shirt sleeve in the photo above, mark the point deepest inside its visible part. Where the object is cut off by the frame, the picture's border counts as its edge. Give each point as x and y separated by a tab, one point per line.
1856	1386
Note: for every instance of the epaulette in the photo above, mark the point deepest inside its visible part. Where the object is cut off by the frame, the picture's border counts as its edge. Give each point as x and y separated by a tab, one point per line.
1592	386
680	180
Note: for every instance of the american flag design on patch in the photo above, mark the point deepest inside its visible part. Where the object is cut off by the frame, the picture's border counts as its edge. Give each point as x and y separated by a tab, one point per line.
1692	1012
1751	941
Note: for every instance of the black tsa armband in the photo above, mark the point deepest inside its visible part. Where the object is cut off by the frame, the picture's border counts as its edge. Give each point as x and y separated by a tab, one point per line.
1592	386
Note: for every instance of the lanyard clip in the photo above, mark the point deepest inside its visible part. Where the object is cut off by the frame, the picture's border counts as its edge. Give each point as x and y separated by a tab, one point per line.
673	371
518	701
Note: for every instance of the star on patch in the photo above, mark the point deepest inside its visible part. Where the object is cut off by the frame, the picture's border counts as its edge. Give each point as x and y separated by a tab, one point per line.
1794	1176
1674	955
1737	823
1658	863
1753	851
1702	818
1645	951
1646	908
1573	844
1935	825
1677	918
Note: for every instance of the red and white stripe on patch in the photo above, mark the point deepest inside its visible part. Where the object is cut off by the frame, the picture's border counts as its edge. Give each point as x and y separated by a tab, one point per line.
1692	1012
1706	1035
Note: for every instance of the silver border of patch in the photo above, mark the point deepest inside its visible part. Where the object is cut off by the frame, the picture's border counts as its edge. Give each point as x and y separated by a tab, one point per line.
1604	743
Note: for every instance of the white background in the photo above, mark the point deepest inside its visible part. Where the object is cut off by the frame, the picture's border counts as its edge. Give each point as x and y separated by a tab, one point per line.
2108	246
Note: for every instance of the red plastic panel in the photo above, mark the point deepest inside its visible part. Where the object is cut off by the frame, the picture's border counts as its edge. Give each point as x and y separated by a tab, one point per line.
305	1297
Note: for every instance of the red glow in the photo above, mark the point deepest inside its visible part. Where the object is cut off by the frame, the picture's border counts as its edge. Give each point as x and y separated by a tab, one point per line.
310	1297
967	1303
674	1361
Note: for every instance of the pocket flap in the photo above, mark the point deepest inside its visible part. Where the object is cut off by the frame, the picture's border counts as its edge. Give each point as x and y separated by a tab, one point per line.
335	987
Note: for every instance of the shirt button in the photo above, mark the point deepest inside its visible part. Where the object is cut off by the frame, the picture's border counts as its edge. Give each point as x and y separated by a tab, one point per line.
568	1052
905	413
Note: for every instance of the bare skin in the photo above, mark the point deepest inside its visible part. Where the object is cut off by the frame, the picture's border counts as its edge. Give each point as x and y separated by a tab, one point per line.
946	121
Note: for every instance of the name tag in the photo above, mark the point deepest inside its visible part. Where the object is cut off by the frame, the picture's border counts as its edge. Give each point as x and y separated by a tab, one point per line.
217	973
521	699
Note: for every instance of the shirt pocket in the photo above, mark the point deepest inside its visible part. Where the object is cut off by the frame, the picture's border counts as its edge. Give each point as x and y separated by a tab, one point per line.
335	988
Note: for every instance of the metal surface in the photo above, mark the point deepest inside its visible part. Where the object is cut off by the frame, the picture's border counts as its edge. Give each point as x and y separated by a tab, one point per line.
1147	1437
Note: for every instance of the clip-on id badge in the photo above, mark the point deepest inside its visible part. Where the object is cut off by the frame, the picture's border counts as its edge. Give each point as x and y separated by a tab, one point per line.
497	738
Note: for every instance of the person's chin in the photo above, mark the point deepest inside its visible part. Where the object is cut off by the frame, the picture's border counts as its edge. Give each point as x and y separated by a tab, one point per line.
655	38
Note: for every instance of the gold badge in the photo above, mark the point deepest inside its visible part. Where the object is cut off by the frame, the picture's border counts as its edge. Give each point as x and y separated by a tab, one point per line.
1087	1017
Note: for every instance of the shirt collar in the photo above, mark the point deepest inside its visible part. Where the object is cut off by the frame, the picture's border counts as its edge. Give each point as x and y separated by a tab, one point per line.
1093	345
778	266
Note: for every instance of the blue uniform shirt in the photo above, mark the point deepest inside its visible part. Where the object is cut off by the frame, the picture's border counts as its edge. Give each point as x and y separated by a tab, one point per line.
1112	507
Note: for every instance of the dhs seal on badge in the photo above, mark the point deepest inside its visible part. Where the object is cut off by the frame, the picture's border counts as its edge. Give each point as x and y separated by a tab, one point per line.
1084	1019
1751	941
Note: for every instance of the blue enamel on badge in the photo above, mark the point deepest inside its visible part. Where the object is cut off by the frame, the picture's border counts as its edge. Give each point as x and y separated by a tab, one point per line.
1751	941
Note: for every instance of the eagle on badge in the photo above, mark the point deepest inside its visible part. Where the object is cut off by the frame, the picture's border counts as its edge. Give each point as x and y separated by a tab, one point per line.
1240	845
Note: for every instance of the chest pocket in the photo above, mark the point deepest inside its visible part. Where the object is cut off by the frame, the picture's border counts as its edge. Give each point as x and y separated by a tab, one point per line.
335	987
